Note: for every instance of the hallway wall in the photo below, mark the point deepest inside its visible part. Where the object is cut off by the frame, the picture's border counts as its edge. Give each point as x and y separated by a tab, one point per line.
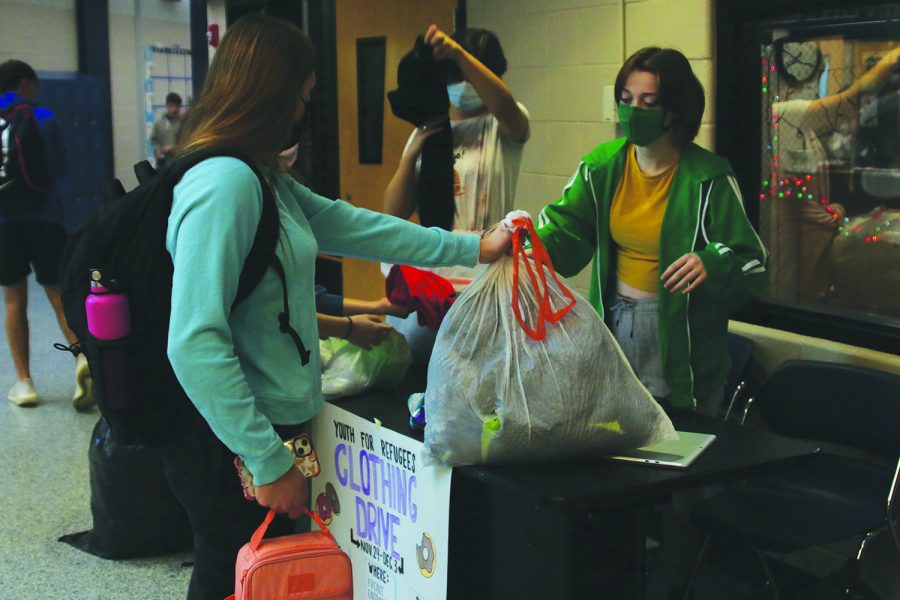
133	25
43	51
43	33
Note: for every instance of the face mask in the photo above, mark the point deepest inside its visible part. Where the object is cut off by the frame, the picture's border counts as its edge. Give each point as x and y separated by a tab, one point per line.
464	97
295	134
289	157
642	126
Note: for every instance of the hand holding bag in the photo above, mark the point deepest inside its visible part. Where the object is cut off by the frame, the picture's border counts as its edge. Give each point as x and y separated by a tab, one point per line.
303	566
524	370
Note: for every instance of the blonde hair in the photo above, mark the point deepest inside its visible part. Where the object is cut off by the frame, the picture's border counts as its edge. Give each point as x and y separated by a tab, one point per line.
251	91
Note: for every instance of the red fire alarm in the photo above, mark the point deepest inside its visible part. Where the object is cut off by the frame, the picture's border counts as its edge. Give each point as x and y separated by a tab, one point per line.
212	35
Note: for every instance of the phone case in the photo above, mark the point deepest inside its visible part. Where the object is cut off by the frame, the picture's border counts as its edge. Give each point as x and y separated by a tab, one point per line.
246	478
305	460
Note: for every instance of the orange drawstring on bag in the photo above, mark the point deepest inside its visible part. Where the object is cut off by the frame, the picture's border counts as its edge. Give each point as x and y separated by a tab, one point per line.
524	228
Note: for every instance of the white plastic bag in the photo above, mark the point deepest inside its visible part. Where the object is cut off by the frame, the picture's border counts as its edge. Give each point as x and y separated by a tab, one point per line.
348	369
498	393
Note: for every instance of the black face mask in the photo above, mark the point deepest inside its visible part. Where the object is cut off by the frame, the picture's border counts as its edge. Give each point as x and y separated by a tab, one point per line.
296	133
298	128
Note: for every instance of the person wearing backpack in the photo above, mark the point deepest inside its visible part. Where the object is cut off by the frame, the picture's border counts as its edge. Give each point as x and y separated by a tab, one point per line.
32	237
253	369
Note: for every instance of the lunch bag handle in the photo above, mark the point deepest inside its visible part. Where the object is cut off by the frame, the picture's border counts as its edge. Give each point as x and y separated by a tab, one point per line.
256	538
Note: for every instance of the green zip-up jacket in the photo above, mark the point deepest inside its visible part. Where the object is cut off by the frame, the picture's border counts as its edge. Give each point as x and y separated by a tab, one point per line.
704	215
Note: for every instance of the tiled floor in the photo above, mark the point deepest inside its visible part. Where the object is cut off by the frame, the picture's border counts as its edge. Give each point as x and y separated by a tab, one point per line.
45	490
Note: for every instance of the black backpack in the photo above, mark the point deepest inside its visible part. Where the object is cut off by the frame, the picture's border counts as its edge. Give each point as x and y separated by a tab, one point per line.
126	242
25	179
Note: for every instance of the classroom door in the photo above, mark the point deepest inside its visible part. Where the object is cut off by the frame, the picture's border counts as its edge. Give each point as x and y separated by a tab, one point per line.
399	21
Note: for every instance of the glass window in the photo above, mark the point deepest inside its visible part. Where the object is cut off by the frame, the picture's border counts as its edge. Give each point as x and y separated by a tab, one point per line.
829	189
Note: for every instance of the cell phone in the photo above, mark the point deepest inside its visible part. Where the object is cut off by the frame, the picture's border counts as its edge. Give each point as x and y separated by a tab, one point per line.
246	478
305	460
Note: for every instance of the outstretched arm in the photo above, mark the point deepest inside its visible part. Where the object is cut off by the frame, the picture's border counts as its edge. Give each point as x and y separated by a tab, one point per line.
365	331
871	81
568	227
352	306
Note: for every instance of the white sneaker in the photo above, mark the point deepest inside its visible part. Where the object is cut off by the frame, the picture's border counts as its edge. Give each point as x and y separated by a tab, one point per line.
23	394
83	398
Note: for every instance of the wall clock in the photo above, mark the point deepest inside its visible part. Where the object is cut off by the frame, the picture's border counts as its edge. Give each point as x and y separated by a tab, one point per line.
798	62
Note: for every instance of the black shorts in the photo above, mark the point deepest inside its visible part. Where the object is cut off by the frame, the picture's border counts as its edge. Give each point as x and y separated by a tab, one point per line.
28	244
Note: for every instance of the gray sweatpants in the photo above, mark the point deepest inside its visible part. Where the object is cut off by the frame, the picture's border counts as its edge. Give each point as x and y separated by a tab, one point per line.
635	325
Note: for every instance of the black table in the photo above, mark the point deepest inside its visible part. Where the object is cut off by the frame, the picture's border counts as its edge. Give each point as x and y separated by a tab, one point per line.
571	529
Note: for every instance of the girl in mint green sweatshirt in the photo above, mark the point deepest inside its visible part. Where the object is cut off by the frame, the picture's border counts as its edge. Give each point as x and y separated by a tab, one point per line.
243	374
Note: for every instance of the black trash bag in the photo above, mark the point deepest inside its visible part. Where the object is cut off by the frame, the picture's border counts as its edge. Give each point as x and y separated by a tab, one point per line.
134	512
421	99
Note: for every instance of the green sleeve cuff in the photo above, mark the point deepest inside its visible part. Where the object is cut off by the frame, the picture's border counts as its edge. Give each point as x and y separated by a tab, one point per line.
714	261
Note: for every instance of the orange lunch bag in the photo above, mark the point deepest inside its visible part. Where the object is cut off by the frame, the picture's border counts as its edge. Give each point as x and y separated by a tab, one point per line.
303	566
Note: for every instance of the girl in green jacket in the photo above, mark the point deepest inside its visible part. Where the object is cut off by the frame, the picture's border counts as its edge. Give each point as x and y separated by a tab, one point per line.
663	221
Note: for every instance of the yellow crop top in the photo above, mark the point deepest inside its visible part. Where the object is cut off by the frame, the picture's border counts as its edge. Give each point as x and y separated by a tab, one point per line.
635	219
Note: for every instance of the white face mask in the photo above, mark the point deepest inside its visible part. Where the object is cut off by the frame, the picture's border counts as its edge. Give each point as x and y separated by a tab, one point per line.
464	97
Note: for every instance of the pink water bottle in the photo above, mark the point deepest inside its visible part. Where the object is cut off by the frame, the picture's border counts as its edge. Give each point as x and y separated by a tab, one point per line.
109	322
107	312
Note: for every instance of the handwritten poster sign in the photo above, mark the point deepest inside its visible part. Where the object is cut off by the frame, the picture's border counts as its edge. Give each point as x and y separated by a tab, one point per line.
384	508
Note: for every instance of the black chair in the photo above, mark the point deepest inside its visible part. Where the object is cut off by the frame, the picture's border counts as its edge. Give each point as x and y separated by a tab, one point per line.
740	348
844	492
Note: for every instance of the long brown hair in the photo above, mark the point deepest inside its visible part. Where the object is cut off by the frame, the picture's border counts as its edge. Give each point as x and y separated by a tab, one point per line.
251	91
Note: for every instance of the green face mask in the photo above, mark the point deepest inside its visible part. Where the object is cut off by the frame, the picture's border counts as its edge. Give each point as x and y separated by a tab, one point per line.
642	126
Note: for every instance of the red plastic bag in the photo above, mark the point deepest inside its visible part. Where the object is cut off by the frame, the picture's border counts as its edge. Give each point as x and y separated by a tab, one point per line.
424	292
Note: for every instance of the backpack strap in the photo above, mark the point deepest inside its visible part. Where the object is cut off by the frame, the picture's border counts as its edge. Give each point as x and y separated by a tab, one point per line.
262	253
284	317
28	112
144	171
260	256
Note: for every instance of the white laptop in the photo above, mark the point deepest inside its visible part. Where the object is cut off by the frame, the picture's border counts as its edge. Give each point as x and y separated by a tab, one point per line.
677	454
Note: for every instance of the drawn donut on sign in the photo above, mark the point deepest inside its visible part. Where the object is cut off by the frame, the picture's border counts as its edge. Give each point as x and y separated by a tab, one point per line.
425	556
